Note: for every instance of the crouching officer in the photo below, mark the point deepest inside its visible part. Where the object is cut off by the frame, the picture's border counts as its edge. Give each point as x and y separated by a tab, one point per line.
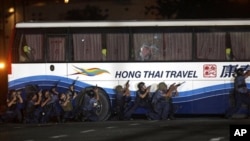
241	92
46	105
33	109
67	107
123	100
142	100
91	106
13	112
55	103
162	100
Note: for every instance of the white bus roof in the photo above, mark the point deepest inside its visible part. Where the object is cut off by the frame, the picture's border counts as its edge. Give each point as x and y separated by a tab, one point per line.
133	23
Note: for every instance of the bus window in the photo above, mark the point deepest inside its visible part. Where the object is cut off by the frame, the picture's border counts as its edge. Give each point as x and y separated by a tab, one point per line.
211	46
177	46
163	46
117	47
56	48
148	46
87	47
30	47
240	45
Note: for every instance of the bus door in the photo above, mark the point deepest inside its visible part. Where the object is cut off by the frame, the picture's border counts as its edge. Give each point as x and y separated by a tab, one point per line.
56	66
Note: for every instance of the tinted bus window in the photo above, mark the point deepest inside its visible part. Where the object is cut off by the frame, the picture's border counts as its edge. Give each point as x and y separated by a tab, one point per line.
28	48
56	48
87	47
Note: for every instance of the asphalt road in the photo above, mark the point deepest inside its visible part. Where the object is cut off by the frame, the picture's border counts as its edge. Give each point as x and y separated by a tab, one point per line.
181	129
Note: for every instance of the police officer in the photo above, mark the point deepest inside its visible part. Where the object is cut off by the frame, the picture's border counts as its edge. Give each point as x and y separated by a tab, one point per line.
46	105
13	112
55	103
162	101
33	109
67	107
90	107
141	100
72	94
241	91
123	100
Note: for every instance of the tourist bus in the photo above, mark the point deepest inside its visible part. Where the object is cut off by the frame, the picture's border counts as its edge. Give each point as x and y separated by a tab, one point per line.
200	54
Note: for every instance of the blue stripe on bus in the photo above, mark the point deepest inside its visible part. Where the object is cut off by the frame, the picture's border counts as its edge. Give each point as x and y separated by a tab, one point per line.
47	81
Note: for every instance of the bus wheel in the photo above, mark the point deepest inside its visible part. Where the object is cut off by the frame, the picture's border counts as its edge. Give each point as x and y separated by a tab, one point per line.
103	107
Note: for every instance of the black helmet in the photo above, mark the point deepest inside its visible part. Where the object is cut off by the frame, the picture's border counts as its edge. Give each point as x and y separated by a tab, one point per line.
91	93
239	71
162	86
118	89
140	85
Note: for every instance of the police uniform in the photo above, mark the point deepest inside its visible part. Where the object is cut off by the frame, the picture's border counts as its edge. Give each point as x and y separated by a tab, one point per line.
241	93
67	108
123	102
141	102
46	107
32	111
90	106
13	112
161	105
162	101
55	105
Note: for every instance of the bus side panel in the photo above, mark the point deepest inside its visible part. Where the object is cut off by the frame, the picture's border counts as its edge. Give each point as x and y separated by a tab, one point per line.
206	88
26	74
56	75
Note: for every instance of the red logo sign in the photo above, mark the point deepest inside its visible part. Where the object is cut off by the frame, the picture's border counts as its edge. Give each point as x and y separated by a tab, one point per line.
209	70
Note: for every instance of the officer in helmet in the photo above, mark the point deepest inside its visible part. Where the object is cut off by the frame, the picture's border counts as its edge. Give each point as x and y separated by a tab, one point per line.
67	108
90	106
241	91
162	101
142	101
123	100
13	112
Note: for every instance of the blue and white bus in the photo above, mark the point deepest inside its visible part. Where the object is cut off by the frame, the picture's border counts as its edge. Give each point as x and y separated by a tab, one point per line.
201	53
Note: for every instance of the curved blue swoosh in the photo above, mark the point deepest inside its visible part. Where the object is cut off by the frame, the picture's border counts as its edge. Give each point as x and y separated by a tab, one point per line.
48	81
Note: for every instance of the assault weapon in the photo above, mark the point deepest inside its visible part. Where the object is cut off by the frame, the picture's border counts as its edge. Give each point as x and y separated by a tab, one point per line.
74	82
127	83
53	89
179	84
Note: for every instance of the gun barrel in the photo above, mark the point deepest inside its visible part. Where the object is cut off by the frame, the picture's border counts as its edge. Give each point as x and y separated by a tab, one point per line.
180	84
74	82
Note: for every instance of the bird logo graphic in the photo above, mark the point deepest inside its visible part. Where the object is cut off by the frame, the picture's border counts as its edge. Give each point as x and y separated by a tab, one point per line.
89	71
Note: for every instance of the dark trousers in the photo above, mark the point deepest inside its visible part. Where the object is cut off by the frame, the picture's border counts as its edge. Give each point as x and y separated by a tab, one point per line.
46	113
146	105
12	116
240	98
67	115
90	115
162	109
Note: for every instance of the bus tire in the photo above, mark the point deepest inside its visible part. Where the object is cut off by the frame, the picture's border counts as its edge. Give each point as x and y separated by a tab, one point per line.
104	106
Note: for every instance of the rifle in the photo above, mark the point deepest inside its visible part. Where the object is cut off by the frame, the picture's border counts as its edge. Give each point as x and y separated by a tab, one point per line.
126	84
180	84
53	89
74	82
126	90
